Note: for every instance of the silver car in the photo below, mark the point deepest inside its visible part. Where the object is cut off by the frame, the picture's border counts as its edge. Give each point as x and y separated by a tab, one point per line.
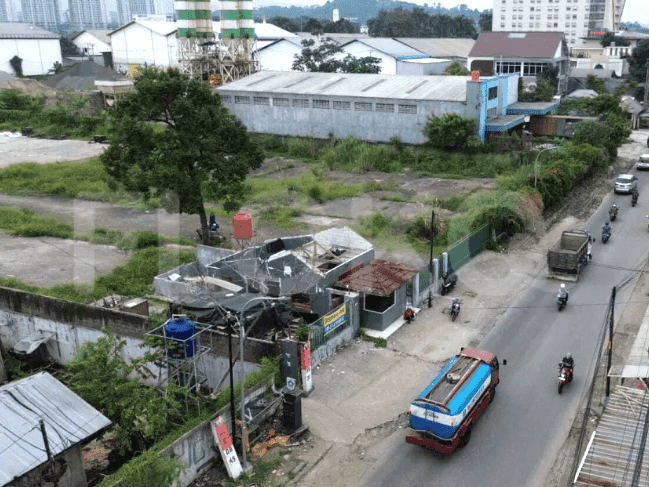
625	183
643	160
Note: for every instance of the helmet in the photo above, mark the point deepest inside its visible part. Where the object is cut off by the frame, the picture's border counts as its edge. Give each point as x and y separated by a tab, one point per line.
569	356
563	286
606	223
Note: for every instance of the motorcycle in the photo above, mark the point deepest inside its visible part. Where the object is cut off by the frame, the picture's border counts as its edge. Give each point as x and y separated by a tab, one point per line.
612	213
634	199
455	309
562	301
565	377
448	283
606	235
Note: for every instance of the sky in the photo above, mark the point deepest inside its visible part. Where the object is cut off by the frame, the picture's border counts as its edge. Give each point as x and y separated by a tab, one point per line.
634	10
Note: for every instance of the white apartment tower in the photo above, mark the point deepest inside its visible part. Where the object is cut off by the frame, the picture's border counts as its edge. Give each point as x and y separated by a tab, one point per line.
4	14
88	14
572	17
126	9
44	13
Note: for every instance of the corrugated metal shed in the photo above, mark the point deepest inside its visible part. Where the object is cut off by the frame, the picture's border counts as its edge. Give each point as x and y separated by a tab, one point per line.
344	237
611	458
440	47
380	277
388	46
403	87
101	34
21	30
68	420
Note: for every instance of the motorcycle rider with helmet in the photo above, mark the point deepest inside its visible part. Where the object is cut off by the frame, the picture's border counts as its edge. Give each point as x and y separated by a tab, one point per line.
569	363
606	228
563	292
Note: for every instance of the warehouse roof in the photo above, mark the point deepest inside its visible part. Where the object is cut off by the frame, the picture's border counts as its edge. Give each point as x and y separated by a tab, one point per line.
517	44
263	30
388	46
404	87
440	47
21	30
68	420
102	35
162	28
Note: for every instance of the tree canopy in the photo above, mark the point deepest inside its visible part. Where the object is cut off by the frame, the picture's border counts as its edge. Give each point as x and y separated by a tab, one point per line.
172	139
485	22
417	23
610	37
326	57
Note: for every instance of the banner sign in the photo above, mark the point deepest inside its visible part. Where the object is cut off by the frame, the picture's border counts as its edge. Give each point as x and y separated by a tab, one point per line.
332	321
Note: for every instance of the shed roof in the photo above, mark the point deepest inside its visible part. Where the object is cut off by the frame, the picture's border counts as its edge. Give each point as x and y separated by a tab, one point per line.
380	277
440	47
517	44
68	420
103	35
400	86
389	46
22	30
162	28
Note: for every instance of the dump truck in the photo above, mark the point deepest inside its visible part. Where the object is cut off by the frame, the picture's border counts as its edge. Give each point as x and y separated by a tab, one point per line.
442	416
569	255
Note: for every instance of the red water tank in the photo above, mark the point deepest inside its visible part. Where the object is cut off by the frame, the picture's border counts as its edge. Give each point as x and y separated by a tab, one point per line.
475	75
242	226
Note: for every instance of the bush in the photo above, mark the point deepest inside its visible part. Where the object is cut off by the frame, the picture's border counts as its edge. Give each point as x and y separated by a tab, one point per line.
147	239
450	131
456	69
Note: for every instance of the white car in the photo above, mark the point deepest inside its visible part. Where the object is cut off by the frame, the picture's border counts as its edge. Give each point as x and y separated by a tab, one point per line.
643	160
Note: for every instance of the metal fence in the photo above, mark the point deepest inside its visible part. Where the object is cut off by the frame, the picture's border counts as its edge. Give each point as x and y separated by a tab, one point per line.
330	325
465	249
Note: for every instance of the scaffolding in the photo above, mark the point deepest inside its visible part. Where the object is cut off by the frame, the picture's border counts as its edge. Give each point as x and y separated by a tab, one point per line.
183	358
198	57
237	58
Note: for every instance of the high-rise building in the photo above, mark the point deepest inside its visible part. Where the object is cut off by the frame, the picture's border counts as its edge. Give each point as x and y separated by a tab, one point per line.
4	13
88	14
44	13
127	8
575	18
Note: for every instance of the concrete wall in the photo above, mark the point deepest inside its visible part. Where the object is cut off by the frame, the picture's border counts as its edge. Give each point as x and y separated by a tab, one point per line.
72	324
75	475
38	55
369	126
436	67
380	321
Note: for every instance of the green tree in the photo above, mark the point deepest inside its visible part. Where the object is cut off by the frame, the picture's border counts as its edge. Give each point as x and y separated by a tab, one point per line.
68	48
456	69
173	139
597	134
596	84
325	58
638	64
313	26
285	23
486	18
609	37
343	26
544	91
450	131
417	23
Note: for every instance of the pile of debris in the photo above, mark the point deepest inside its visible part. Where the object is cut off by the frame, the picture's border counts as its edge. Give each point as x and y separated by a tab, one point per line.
32	87
82	77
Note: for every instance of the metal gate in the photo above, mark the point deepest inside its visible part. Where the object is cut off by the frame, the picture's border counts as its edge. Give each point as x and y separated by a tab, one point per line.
464	250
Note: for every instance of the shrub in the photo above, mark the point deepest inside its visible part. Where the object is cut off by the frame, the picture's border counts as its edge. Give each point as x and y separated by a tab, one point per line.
456	69
451	131
147	239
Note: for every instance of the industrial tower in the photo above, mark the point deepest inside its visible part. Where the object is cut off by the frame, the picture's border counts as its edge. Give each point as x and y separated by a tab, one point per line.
238	42
197	49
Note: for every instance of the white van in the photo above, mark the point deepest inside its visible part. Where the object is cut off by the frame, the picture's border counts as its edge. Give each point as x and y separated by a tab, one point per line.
643	160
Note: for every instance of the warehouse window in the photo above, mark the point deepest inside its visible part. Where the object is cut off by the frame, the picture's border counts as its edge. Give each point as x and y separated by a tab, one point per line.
300	103
261	100
226	99
385	107
408	109
360	106
342	105
321	104
244	100
280	102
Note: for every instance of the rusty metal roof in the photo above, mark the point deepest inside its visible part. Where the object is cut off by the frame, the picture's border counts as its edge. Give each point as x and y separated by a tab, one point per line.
380	277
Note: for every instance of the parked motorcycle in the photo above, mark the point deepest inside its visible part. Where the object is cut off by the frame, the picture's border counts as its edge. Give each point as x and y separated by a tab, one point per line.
448	283
562	301
455	309
565	377
612	213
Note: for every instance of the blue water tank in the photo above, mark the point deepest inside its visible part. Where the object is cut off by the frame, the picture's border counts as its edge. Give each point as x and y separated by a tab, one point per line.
181	330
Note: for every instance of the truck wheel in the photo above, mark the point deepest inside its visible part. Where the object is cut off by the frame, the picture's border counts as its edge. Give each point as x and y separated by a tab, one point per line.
560	387
465	439
492	395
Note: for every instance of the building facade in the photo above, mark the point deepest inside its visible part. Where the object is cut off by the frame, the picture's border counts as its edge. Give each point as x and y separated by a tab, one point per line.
44	13
575	18
4	11
127	8
141	43
88	14
38	48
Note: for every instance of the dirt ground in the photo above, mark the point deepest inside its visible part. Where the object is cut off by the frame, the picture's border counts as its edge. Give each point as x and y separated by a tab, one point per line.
336	442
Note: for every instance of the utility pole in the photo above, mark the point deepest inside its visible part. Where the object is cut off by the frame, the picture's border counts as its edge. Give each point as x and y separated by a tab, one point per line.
430	264
233	411
610	343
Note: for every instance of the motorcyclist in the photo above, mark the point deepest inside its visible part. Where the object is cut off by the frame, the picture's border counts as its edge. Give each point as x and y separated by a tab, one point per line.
613	210
589	248
606	228
569	363
213	225
634	196
563	292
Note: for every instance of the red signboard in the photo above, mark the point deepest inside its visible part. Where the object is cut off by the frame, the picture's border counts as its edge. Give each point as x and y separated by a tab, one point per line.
224	436
306	356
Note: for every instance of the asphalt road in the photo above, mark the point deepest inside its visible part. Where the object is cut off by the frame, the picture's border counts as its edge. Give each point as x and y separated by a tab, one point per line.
518	438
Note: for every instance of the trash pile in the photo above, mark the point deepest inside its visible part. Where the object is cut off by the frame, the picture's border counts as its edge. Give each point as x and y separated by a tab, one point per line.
82	77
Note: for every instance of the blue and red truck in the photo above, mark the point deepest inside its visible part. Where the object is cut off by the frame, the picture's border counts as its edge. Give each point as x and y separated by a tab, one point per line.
442	416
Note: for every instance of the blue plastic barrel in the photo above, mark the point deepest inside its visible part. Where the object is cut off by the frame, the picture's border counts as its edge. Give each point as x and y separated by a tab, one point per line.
181	330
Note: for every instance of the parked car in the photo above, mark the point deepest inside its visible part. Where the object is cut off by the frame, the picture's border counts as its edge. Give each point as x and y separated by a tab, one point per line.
625	183
643	160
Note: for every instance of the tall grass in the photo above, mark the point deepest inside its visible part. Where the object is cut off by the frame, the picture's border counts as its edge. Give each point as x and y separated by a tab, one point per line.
21	221
310	184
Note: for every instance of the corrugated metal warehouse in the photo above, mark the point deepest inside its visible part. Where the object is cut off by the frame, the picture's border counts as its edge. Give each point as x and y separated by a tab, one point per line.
371	107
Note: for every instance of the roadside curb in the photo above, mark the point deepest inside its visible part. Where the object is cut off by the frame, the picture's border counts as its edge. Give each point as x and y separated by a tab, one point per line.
305	468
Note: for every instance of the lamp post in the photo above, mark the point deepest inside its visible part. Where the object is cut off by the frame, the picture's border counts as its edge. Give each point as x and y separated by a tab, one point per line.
243	374
536	169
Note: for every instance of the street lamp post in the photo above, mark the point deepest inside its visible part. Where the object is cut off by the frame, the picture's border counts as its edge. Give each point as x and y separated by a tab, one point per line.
243	373
536	169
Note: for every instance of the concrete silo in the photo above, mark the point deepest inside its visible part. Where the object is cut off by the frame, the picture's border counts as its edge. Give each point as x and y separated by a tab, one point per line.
238	42
196	41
